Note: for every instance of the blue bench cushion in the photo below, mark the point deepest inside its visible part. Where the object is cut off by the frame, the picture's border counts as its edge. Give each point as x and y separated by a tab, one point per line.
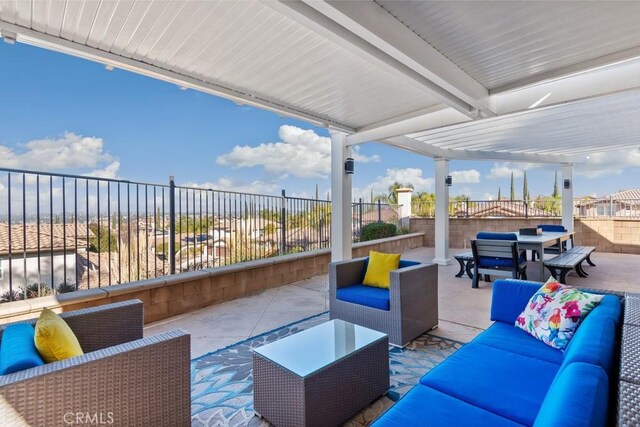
424	406
505	383
365	295
17	349
577	398
505	336
594	342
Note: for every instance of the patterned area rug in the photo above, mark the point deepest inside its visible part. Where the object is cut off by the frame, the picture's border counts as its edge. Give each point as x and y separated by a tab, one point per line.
222	386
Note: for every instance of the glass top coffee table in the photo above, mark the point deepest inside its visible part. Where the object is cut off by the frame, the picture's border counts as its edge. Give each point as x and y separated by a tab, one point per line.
320	376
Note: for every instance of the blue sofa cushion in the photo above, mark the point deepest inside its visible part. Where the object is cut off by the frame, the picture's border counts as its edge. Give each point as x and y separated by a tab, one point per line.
505	336
505	383
365	295
17	349
552	228
403	263
486	235
610	307
424	406
577	398
594	342
509	299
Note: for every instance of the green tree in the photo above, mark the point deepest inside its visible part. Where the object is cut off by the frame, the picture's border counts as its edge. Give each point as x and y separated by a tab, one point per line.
556	192
525	188
512	195
107	239
499	195
423	204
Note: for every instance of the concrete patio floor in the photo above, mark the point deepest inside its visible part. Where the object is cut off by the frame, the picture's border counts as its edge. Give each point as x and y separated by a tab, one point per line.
463	311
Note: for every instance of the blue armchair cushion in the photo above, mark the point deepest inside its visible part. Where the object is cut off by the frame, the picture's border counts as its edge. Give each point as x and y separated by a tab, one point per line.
17	349
505	383
365	295
486	235
425	406
578	397
552	228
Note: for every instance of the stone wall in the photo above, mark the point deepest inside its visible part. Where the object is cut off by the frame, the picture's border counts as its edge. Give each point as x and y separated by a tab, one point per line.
607	235
173	295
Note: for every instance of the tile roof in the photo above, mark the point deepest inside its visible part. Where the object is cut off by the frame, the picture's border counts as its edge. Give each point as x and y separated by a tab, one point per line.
30	244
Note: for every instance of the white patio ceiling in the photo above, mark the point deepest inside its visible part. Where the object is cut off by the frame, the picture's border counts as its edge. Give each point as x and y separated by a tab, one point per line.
446	79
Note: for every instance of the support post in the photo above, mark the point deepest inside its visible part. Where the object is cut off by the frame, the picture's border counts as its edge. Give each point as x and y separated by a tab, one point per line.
172	225
567	197
283	224
442	213
341	232
404	207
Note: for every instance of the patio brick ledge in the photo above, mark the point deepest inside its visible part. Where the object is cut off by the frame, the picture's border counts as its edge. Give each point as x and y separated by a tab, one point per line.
180	293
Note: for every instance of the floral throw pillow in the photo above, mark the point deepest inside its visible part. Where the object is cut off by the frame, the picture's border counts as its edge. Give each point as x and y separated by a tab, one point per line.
554	312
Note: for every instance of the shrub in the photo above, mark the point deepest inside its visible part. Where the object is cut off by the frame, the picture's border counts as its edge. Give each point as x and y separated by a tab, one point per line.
36	290
8	296
65	287
163	248
377	230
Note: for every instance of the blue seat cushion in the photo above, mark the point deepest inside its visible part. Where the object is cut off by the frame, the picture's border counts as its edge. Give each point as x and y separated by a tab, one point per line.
610	307
594	342
552	228
424	406
17	349
365	295
505	336
492	262
577	398
487	235
510	297
508	384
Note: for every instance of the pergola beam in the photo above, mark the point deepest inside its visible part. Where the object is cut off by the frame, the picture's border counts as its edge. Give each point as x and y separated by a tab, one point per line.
239	95
311	17
374	24
419	147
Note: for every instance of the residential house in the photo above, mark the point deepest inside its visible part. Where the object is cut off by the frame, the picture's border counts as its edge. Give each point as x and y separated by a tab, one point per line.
621	204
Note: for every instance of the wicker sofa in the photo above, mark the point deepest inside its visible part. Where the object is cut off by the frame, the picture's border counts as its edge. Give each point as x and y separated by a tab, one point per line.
122	379
408	309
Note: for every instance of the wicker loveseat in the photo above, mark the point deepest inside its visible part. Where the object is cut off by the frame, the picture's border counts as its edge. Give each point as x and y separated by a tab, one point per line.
405	311
122	379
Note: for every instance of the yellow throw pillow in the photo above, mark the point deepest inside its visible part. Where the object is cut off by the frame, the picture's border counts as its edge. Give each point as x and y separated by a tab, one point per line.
380	265
54	339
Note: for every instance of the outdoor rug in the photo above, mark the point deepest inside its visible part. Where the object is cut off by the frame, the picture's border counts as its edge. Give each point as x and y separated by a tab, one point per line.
222	383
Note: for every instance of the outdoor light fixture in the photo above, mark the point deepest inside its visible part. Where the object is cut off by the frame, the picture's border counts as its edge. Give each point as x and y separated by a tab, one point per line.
449	181
9	37
567	184
108	67
349	166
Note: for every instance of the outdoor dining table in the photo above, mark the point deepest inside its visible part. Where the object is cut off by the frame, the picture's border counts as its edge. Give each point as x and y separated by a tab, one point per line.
541	241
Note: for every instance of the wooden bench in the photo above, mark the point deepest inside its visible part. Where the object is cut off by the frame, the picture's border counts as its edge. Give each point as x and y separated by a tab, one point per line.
466	263
569	260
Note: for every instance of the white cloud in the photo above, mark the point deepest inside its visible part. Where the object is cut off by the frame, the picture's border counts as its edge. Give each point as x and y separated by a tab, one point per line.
499	171
301	153
70	151
405	176
227	184
470	176
608	163
109	171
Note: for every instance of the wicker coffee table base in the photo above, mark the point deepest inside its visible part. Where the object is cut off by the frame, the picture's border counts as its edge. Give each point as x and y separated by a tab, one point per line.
327	397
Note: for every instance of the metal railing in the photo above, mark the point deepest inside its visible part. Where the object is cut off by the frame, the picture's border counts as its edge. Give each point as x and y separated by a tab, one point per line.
60	232
547	208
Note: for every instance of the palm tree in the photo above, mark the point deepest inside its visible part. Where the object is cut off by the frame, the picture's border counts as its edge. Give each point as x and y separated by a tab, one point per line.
393	192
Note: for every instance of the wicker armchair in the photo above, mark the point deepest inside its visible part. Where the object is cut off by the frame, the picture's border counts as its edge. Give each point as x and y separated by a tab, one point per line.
122	379
413	300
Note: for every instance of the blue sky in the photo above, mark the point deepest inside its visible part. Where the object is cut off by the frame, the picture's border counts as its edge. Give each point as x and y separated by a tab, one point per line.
59	113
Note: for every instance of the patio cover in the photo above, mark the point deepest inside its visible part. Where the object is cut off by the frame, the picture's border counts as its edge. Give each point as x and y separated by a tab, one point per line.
515	81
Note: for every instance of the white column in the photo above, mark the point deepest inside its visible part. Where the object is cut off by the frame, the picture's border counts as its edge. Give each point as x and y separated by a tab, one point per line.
442	213
404	206
340	199
567	197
